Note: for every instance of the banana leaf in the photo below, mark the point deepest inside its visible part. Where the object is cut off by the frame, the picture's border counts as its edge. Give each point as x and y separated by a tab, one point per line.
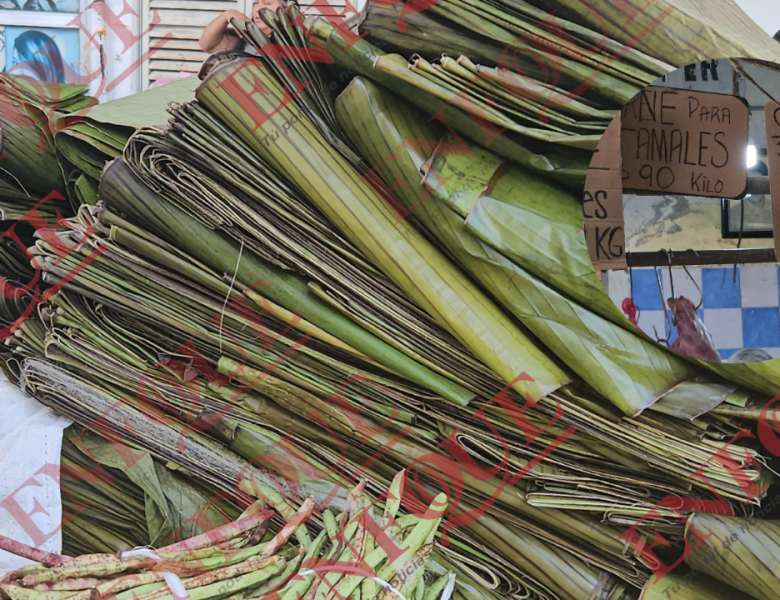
27	107
392	25
762	376
128	196
566	166
629	371
684	586
678	32
740	552
363	215
535	224
495	105
203	168
29	160
171	504
66	345
90	139
699	396
76	340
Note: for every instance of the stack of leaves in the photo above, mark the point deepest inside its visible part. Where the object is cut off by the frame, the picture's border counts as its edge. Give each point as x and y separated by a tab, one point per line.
256	294
30	169
586	47
334	554
543	52
116	322
89	140
116	498
451	103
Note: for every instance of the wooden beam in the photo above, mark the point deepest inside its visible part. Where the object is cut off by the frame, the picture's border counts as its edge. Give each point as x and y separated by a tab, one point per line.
692	258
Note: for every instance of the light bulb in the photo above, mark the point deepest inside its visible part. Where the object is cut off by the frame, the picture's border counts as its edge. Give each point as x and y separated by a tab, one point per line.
752	157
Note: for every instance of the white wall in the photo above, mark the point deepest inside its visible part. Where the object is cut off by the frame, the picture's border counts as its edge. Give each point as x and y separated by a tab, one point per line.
118	58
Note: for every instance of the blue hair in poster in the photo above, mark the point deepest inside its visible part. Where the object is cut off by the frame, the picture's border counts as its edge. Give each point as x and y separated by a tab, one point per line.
44	53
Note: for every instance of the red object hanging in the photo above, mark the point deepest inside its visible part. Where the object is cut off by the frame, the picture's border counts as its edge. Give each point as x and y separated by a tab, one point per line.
630	309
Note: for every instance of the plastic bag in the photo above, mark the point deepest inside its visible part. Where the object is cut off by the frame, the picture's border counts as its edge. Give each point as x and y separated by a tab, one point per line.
30	444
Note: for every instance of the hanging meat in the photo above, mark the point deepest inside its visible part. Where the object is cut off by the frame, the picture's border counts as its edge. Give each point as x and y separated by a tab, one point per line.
693	339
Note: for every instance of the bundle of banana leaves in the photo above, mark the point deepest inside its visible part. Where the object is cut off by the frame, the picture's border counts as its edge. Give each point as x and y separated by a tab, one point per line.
30	170
334	554
124	292
478	121
277	300
544	43
116	497
90	139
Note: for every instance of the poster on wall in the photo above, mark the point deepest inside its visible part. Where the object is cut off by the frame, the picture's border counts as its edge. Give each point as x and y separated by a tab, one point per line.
45	53
49	6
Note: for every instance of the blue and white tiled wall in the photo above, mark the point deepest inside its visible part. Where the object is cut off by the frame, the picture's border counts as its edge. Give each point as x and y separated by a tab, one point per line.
738	314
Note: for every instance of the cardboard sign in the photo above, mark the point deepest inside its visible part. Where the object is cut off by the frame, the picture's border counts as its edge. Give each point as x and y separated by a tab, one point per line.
684	142
602	205
772	119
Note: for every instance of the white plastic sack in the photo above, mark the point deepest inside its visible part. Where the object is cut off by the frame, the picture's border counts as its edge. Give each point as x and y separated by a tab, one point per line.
30	444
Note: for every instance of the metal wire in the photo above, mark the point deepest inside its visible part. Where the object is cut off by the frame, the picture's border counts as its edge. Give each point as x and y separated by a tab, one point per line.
669	256
658	339
696	285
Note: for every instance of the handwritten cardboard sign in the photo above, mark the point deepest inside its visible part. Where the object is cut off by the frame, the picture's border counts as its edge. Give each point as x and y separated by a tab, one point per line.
602	207
772	119
683	142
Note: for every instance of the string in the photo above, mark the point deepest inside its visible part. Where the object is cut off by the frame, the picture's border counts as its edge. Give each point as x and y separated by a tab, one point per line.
227	296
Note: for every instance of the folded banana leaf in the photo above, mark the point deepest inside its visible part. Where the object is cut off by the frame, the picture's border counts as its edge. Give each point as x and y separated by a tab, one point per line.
682	585
566	166
204	168
449	81
534	223
150	313
299	68
518	37
27	107
629	371
263	445
89	140
304	157
131	198
132	303
511	555
141	503
678	32
699	396
29	160
740	552
762	376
